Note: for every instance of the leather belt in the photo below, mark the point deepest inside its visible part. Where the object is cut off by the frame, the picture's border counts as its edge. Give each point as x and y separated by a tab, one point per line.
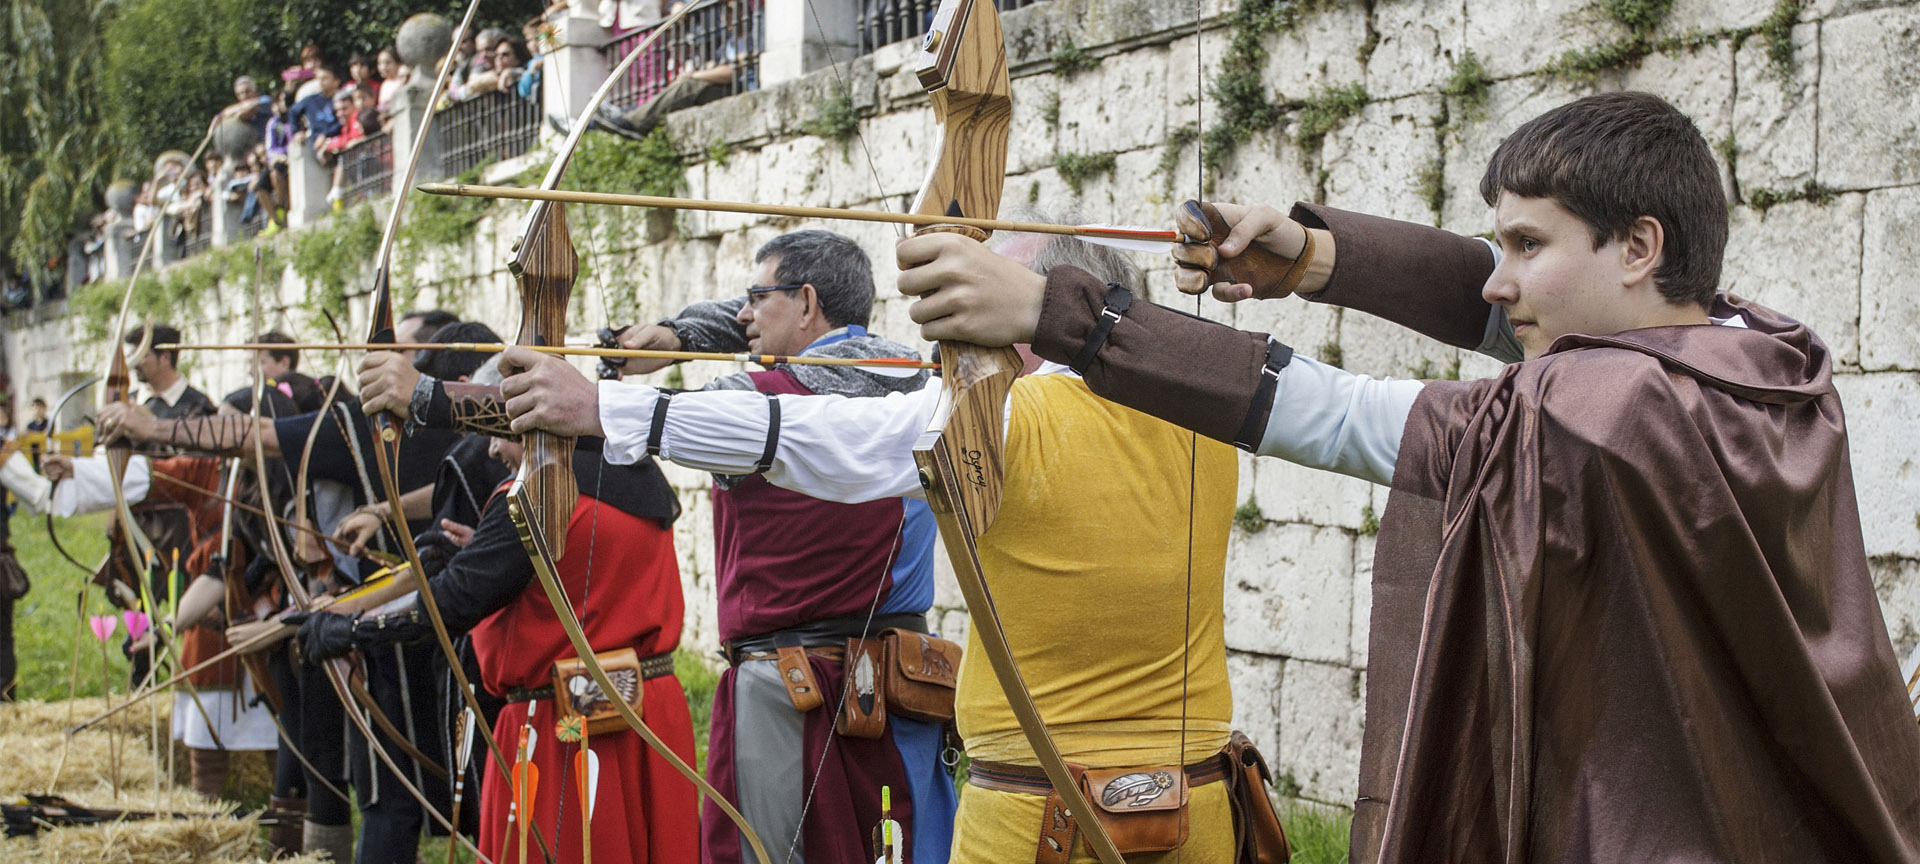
1031	780
657	666
833	632
835	653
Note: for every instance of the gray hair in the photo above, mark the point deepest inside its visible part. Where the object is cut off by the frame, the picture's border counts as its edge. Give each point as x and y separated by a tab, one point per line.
491	35
1105	263
835	266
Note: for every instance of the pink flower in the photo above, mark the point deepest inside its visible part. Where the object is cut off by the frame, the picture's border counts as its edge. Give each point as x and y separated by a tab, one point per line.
103	626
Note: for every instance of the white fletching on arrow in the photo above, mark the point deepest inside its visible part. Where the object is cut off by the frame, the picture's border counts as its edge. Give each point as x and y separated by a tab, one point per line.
1149	247
593	781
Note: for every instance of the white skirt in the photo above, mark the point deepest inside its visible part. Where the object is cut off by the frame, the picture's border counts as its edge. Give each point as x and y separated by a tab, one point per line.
240	727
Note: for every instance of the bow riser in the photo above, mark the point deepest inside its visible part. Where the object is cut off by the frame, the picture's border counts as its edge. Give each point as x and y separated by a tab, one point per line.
545	265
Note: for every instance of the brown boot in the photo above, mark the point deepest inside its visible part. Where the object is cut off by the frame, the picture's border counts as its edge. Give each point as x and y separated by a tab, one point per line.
288	830
330	841
209	770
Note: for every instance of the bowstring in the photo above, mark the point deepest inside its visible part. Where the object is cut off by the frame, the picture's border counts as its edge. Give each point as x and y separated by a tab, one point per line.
1193	438
846	90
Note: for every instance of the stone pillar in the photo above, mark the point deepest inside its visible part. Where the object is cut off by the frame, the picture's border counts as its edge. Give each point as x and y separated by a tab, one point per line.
406	123
166	250
576	68
309	182
799	42
226	217
120	250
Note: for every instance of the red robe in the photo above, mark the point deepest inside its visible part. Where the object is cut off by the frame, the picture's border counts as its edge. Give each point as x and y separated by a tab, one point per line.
645	812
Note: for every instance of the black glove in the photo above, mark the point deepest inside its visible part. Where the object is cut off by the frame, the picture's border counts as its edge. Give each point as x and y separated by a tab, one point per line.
325	636
611	368
436	549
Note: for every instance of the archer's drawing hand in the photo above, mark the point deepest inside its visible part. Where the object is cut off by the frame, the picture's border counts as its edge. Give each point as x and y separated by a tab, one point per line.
386	383
359	529
968	293
547	394
648	337
1250	224
125	420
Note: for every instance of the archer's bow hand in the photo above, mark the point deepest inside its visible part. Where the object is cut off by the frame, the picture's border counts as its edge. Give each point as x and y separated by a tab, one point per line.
329	635
547	394
126	420
1239	251
966	292
387	382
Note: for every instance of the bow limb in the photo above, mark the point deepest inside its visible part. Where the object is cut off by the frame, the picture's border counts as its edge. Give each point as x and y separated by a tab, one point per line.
964	68
520	503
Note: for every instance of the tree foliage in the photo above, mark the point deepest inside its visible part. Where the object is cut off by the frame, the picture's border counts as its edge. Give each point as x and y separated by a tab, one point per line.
55	155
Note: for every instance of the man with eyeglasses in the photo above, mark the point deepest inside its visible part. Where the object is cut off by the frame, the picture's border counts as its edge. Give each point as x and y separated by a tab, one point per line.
797	577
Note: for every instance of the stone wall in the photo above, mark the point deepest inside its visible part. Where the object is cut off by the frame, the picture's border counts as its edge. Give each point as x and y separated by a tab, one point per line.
1816	117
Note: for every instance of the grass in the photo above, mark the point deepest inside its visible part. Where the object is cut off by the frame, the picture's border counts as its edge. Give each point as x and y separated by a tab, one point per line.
45	622
1318	834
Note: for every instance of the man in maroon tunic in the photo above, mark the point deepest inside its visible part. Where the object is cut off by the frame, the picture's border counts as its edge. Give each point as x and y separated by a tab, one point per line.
1621	609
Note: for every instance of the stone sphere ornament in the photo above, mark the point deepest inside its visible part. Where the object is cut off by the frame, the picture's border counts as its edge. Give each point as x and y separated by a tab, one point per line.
234	137
424	39
121	195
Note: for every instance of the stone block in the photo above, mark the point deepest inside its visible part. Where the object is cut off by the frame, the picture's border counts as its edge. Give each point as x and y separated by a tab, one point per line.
1375	347
1270	169
1373	161
1363	550
1100	108
1319	52
1821	10
1824	286
1698	81
1309	327
1256	683
1192	63
1883	410
1126	195
1774	116
1292	493
1289	592
903	146
795	171
1870	99
1897	582
1714	16
1474	365
1890	281
1520	37
1033	140
1322	716
1420	41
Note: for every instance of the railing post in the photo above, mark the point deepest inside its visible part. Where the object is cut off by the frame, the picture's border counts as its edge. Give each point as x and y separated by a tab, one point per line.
406	122
164	250
307	199
120	250
576	67
226	214
798	42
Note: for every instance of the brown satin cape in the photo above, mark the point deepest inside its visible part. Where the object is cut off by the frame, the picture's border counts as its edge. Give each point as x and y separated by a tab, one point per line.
1621	613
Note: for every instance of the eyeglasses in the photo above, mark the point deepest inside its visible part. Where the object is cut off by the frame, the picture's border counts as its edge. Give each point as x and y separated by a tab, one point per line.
757	293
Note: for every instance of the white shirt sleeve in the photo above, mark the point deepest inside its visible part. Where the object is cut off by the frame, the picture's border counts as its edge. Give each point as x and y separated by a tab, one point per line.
1325	417
836	448
90	489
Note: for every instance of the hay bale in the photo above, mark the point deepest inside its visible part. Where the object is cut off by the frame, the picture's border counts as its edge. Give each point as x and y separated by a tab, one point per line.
199	840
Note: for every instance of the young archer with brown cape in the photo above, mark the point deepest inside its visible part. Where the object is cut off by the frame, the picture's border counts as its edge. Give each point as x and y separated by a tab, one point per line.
1621	608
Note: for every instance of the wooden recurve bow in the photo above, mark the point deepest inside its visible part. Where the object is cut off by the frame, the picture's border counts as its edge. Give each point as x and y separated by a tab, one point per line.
963	65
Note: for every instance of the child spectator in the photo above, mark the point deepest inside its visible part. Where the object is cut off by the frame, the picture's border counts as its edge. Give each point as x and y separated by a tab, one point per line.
360	73
395	75
314	114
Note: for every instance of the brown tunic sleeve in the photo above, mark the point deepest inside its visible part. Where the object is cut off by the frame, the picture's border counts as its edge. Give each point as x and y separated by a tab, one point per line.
1419	277
1188	371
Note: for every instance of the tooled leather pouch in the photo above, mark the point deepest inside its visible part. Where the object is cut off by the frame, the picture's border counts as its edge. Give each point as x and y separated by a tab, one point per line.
796	674
1143	809
1259	835
863	707
921	674
576	694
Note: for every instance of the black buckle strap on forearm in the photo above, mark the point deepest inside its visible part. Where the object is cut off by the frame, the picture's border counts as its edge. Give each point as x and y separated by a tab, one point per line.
1255	427
1118	301
657	433
773	435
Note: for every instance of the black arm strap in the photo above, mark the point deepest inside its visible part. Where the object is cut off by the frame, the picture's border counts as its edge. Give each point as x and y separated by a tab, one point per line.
658	430
773	435
1118	301
1255	427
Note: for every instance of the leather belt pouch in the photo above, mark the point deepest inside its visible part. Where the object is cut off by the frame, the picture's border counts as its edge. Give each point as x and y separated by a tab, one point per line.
797	674
576	694
863	708
1258	836
921	673
1143	809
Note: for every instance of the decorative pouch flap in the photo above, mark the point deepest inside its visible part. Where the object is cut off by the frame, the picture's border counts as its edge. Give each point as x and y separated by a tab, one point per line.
576	694
1137	790
925	658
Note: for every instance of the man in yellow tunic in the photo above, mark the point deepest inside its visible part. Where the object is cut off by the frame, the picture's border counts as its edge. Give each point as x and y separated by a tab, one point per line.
1106	560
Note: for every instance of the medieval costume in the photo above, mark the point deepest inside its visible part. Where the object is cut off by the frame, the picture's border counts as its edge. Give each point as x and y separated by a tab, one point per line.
1081	589
623	577
1621	610
797	572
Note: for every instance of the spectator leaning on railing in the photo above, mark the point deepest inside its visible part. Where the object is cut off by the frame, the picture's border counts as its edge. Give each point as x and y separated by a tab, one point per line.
395	75
361	74
313	115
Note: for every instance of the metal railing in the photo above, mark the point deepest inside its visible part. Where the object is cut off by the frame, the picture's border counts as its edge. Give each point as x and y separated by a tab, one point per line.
884	22
723	31
199	235
487	128
366	168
